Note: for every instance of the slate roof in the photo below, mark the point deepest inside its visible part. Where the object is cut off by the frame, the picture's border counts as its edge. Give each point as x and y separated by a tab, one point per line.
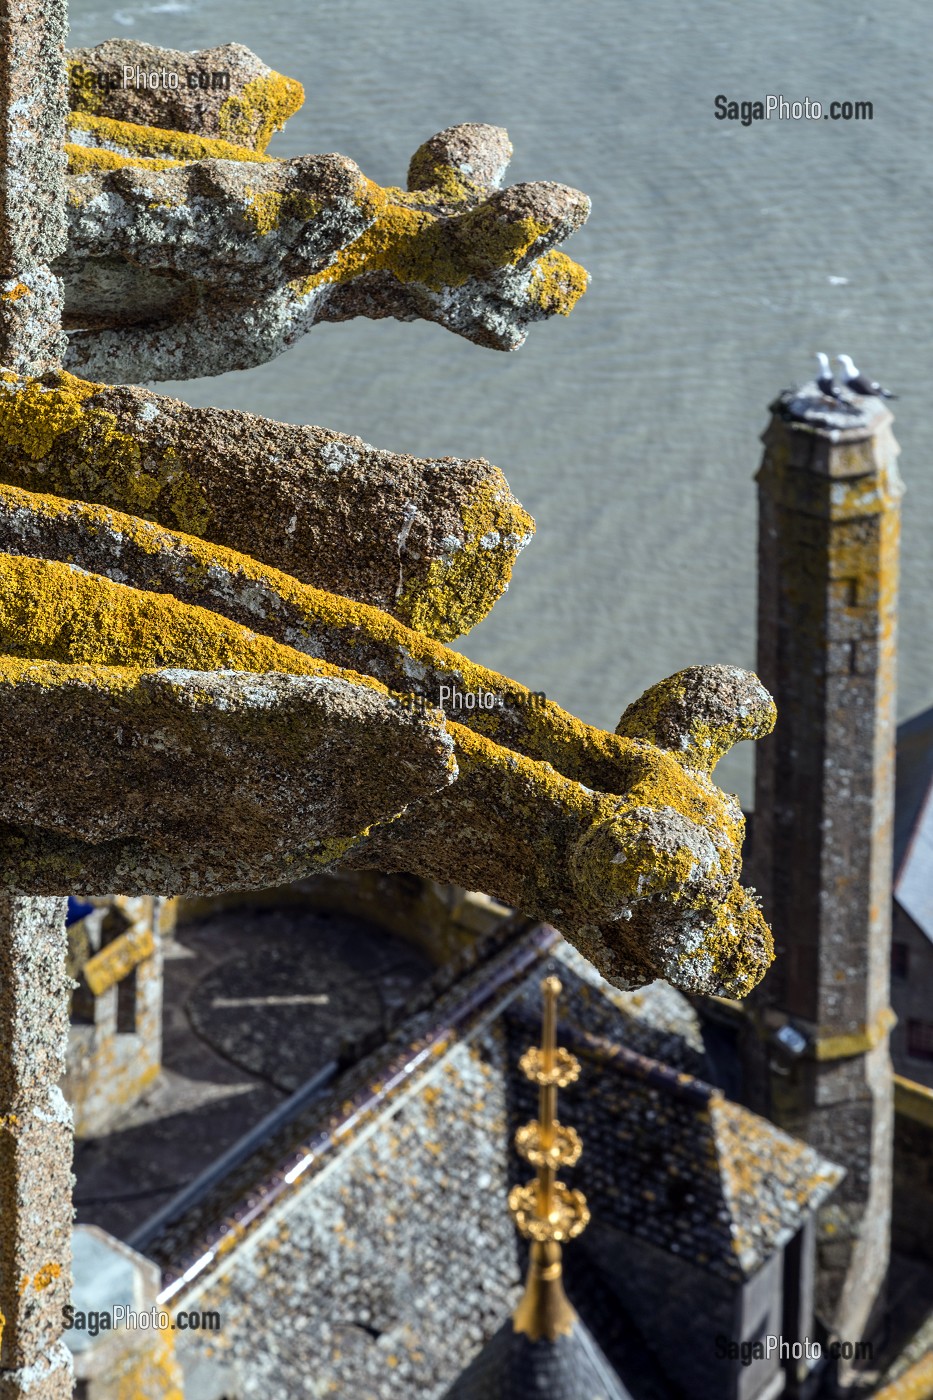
512	1367
913	821
668	1159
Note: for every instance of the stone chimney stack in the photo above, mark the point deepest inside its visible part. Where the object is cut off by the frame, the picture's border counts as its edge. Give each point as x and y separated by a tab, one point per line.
817	1051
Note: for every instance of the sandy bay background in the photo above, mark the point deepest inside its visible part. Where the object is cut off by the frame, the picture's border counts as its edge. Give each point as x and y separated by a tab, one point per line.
721	257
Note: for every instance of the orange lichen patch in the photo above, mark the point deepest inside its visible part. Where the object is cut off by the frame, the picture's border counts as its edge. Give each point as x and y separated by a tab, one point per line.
19	289
41	1279
9	1121
46	1275
114	962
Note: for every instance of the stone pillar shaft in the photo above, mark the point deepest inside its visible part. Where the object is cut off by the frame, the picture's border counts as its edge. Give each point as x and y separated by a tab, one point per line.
35	1149
829	494
33	107
35	1122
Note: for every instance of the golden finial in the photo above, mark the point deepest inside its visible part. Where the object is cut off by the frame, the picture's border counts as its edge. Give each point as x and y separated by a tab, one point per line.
546	1211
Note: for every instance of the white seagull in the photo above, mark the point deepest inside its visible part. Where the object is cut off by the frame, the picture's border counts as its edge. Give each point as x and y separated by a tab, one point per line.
860	383
825	382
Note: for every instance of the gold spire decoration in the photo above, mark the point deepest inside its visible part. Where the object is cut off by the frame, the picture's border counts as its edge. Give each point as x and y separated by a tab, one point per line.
546	1211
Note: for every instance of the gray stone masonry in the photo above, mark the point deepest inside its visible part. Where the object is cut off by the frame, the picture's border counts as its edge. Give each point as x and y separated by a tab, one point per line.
829	497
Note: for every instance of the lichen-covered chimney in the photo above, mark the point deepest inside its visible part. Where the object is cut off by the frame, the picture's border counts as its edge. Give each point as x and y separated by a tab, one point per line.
817	1057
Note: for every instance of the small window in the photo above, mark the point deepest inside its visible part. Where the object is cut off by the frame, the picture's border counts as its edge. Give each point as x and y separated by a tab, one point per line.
900	959
920	1040
126	1002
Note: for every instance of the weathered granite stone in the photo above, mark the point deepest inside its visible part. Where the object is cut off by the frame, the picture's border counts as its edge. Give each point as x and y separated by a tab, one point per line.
667	905
33	108
35	1122
222	756
225	91
35	1131
643	877
143	242
258	777
430	541
32	165
48	1378
471	153
190	252
361	638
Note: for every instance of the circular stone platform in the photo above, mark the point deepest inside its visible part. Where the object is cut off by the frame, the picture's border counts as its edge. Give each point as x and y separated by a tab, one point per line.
297	988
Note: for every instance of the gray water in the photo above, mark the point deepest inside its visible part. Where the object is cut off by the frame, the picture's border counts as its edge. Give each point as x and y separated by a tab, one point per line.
721	257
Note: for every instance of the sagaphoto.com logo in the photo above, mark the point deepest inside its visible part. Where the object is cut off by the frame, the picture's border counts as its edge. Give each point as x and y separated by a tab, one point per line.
777	107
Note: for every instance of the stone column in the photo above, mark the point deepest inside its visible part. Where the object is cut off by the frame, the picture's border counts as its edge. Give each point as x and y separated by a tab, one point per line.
35	1150
35	1122
817	1056
33	106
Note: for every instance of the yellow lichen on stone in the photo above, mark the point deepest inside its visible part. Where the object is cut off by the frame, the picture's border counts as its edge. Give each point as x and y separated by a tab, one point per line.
46	1275
33	417
267	210
416	246
98	460
53	612
443	602
89	160
261	109
152	1371
84	99
135	140
19	289
700	743
116	961
384	646
557	283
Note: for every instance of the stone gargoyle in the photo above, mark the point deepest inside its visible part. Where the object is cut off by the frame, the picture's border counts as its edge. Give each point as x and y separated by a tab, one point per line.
192	252
222	639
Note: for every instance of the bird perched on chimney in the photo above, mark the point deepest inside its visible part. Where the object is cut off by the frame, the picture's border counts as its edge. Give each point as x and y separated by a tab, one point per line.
860	384
824	381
